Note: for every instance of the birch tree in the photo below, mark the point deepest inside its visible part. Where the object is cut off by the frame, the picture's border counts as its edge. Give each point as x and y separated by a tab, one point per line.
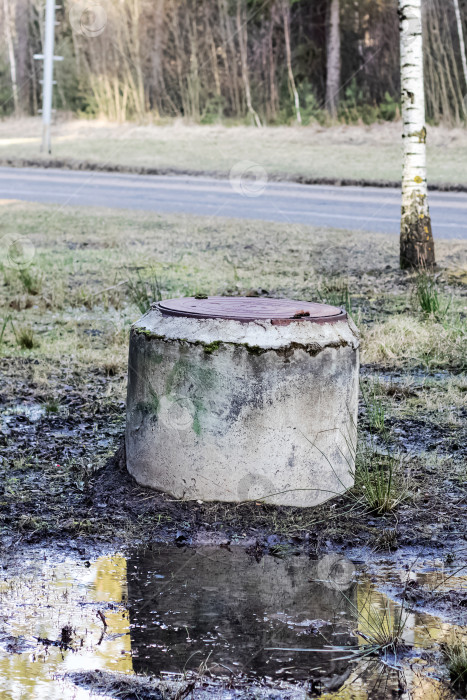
416	238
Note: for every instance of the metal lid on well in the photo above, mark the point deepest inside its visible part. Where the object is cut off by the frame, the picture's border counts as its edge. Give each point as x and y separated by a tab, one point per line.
278	311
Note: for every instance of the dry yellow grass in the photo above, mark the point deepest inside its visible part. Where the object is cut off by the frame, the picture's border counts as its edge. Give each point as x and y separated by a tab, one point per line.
356	152
407	341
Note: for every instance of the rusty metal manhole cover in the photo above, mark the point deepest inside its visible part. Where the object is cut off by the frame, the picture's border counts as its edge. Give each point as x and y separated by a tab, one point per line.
279	311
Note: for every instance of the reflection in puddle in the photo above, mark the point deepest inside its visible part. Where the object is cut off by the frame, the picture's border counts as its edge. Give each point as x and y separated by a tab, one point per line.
176	609
40	605
190	605
31	412
443	579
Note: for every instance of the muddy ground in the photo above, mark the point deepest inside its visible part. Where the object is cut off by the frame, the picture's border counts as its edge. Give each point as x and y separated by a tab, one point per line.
65	484
63	481
52	490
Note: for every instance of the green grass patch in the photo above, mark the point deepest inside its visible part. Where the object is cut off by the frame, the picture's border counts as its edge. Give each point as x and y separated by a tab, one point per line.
379	480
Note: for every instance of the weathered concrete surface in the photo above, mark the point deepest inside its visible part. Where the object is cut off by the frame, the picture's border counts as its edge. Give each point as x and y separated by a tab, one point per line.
231	411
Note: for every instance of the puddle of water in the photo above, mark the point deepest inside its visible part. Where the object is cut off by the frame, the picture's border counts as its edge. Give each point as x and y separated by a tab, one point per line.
432	576
172	609
444	579
40	604
31	411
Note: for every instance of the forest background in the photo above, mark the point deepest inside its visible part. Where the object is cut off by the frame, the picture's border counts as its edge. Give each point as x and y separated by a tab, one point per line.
263	62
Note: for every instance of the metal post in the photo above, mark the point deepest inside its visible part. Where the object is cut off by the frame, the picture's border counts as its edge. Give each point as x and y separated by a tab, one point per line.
48	74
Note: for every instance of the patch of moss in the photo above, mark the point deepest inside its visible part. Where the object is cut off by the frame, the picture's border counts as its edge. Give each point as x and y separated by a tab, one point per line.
155	402
149	334
196	425
150	407
254	349
209	348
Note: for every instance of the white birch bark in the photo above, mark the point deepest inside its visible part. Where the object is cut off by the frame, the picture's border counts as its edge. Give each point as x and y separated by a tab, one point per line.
417	249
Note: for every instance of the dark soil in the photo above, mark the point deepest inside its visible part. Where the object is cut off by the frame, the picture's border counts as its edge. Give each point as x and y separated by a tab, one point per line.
63	481
63	474
413	434
103	683
418	597
193	686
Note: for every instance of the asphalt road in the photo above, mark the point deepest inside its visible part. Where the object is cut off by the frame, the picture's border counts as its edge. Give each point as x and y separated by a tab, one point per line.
365	208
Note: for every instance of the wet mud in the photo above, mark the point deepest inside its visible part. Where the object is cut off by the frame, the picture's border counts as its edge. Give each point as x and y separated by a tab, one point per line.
170	621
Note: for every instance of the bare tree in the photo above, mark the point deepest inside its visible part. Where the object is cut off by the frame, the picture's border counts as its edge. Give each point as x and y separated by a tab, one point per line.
242	26
416	239
333	59
461	38
11	53
22	51
293	89
233	57
157	85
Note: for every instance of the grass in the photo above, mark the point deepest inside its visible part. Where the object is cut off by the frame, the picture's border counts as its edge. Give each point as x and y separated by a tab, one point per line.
144	290
7	321
379	481
381	625
357	152
428	294
438	399
31	280
52	405
99	270
407	341
336	292
455	655
375	407
86	304
26	338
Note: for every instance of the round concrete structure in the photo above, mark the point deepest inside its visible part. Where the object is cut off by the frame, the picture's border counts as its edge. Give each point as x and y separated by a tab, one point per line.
233	399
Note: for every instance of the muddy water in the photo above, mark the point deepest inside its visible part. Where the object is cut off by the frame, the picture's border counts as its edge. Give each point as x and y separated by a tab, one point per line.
173	610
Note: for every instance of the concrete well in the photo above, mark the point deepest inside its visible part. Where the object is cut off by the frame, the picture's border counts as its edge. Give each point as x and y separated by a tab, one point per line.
232	399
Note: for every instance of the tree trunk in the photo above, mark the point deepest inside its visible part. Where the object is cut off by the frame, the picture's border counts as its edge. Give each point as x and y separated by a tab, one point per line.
416	241
288	53
11	54
157	85
23	72
461	38
333	60
228	47
243	43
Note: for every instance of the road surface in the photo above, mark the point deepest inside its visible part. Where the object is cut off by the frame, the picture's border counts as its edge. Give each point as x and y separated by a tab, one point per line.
365	208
